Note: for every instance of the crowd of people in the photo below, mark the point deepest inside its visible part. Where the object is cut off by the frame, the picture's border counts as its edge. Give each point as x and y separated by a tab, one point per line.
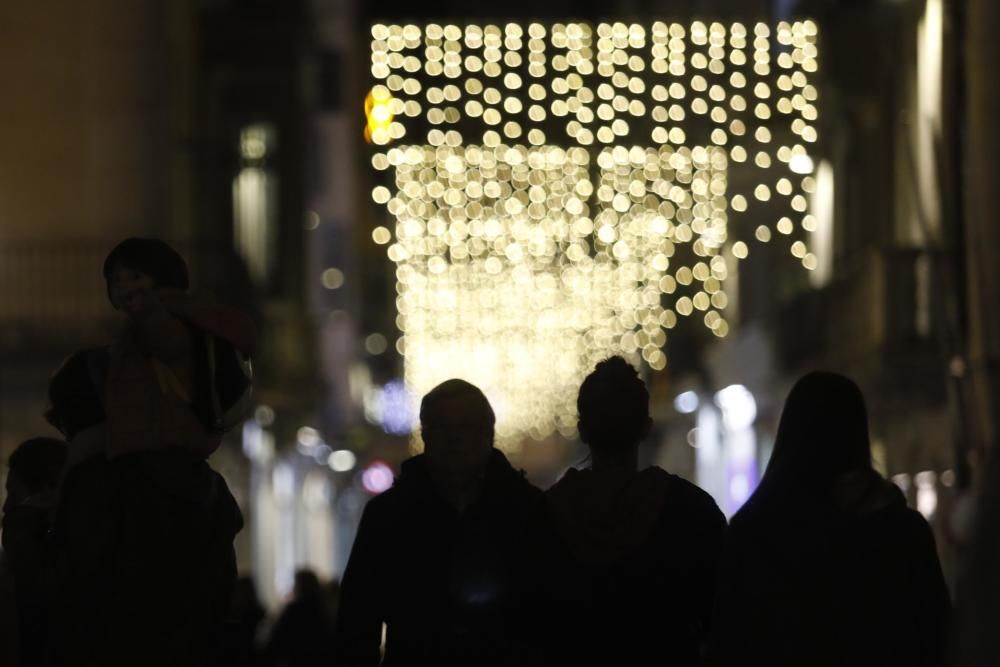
118	537
465	563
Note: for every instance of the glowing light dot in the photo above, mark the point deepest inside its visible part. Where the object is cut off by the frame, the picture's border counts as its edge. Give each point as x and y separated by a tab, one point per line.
763	234
332	278
381	194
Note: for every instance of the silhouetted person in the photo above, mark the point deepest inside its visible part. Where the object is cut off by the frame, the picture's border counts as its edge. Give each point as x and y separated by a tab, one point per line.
34	471
978	641
825	564
303	634
432	556
144	525
10	649
619	565
239	645
331	595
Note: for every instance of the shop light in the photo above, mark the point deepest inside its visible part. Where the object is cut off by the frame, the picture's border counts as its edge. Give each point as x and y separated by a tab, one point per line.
377	477
686	402
342	460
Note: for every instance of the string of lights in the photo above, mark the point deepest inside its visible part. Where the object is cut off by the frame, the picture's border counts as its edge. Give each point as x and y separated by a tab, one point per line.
561	193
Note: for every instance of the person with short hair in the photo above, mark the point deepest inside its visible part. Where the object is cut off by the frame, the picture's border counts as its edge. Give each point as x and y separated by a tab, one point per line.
301	636
432	556
144	526
619	564
156	390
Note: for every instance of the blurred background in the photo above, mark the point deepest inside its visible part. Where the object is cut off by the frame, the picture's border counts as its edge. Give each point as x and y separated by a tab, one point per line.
258	137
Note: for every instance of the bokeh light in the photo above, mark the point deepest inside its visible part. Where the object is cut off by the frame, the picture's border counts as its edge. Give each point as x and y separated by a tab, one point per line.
574	196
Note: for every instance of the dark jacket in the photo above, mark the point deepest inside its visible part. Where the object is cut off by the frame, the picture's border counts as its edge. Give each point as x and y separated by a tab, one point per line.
301	636
437	578
619	569
145	543
853	582
28	554
9	627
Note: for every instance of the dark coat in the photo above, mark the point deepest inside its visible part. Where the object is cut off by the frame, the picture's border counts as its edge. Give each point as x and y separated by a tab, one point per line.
852	583
301	636
28	554
145	543
9	628
619	569
437	578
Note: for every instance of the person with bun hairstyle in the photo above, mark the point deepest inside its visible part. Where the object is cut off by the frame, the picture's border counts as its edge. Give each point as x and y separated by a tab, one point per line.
619	565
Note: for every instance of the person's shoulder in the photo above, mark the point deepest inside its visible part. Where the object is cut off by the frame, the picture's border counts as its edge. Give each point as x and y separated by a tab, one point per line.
688	494
386	502
514	481
909	525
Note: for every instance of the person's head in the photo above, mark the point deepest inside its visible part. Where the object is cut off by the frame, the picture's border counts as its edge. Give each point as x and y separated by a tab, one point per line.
74	400
135	268
822	435
613	407
457	422
306	584
34	467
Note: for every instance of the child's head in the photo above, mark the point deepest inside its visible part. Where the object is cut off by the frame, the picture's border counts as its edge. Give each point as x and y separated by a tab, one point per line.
136	267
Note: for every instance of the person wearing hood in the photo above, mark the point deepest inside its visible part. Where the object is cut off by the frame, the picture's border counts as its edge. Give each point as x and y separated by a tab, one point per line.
825	564
619	564
432	556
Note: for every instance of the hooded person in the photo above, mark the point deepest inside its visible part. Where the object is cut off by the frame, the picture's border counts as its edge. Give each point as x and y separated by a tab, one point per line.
144	527
825	564
432	556
618	565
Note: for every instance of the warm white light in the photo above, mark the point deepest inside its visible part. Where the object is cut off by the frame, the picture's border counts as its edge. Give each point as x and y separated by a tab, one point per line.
523	256
342	460
333	278
739	409
308	437
801	164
